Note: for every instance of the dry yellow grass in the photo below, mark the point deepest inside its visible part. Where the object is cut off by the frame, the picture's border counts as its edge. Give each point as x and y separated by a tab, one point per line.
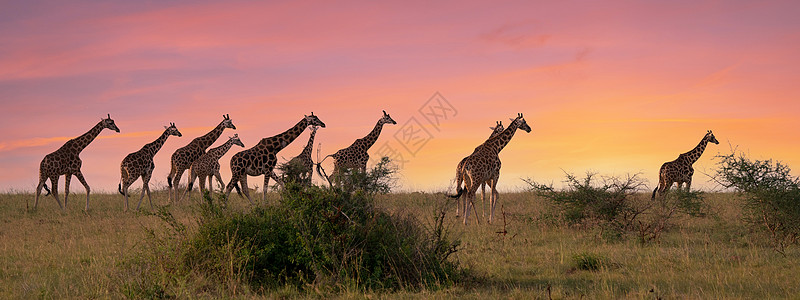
50	254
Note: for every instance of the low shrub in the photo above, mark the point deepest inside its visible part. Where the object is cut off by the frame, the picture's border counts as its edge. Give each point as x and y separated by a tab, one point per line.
770	196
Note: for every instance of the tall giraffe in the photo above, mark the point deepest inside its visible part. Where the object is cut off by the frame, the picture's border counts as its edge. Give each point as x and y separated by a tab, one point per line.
484	166
183	158
497	129
207	166
680	170
66	161
140	164
355	156
303	160
261	158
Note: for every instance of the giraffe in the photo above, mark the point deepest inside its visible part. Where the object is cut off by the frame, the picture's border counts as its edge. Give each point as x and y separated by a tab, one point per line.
66	161
484	166
261	158
207	166
355	156
680	170
303	160
183	158
497	129
140	164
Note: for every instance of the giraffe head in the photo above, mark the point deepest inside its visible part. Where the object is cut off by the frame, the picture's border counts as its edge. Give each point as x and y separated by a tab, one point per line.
387	119
109	123
235	140
312	120
521	124
172	130
227	122
710	138
497	129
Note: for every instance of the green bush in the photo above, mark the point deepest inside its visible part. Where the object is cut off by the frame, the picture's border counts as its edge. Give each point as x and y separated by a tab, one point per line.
294	171
324	238
583	202
379	179
771	196
613	206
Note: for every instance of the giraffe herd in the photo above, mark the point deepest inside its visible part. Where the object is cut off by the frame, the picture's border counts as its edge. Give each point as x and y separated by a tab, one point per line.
477	170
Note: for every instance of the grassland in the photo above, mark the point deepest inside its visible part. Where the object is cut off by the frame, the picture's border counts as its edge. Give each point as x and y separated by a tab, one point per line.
50	254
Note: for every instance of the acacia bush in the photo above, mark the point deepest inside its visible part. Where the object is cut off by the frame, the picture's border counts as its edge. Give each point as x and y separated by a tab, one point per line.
770	196
615	206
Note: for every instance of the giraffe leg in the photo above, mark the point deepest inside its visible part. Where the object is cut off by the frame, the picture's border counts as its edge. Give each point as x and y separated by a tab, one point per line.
67	179
689	185
42	181
493	200
176	182
219	179
54	183
266	186
145	189
192	177
79	175
126	183
202	184
245	189
229	187
483	199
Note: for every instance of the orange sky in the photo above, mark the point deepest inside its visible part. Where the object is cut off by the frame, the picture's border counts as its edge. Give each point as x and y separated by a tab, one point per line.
613	87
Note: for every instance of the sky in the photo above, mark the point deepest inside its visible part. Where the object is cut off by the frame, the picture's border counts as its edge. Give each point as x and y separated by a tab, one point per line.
612	87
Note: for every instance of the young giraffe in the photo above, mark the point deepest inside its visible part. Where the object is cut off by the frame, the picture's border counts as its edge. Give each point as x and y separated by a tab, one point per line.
484	166
140	164
680	170
460	168
66	161
261	158
183	158
207	166
304	159
355	156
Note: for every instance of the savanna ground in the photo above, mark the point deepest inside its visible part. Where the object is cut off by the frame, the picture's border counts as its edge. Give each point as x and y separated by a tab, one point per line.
50	254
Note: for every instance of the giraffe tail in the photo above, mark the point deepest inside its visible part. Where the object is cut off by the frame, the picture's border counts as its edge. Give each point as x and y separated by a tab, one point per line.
459	192
119	187
46	189
319	166
189	186
654	194
169	181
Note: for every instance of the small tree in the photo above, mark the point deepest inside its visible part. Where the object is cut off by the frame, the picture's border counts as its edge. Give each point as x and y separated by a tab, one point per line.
770	194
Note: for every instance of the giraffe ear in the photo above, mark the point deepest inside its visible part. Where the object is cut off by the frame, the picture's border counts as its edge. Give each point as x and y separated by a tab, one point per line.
165	127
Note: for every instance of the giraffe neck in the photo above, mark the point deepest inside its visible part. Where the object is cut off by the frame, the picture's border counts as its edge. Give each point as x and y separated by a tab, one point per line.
209	138
307	150
152	148
280	141
501	140
84	140
370	139
218	152
692	156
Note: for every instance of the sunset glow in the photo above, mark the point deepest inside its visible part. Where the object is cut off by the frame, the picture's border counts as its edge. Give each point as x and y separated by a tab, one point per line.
612	87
